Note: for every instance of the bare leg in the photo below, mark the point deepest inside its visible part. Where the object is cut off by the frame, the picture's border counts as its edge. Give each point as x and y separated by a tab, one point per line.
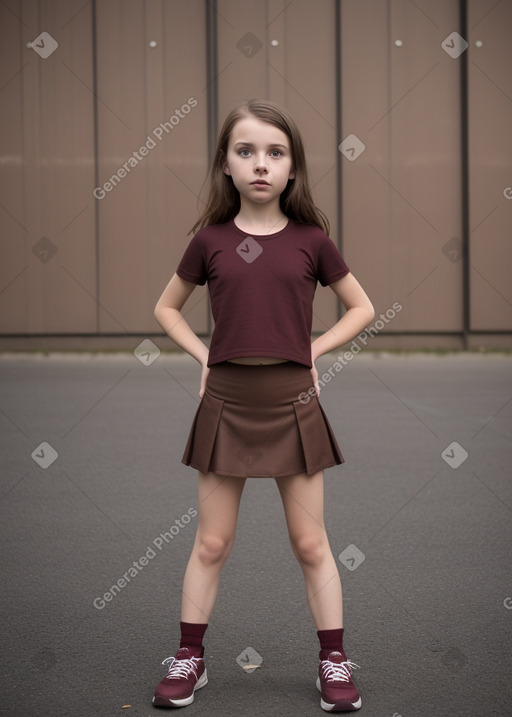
303	503
219	501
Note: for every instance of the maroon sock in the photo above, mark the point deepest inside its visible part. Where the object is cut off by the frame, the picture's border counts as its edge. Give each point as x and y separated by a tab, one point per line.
330	641
192	634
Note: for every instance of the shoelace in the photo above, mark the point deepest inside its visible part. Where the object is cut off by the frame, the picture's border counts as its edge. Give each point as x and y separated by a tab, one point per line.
338	671
180	668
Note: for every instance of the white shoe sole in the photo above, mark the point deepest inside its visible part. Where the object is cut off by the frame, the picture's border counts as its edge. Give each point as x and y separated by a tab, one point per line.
329	708
202	681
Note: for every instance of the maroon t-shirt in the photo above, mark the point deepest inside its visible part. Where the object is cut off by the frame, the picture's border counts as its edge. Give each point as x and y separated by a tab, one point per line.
261	287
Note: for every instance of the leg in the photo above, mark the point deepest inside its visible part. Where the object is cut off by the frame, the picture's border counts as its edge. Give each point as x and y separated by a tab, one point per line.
303	503
219	500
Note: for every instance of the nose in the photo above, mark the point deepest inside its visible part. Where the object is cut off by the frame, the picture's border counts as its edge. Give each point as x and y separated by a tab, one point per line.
260	163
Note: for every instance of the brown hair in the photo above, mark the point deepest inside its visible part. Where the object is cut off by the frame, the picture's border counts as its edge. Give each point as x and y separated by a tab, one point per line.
296	201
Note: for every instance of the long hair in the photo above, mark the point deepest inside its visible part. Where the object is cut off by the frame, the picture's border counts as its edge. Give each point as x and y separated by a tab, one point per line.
296	201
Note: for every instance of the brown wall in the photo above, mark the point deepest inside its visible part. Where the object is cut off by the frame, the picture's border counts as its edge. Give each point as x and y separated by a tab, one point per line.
421	216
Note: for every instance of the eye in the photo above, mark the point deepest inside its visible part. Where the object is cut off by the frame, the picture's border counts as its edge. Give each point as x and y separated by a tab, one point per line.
276	153
244	152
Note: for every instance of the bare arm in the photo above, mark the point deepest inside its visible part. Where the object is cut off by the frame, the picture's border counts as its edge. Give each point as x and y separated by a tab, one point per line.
359	313
169	316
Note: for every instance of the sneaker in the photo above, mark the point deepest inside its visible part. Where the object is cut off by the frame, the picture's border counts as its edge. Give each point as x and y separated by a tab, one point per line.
186	675
339	694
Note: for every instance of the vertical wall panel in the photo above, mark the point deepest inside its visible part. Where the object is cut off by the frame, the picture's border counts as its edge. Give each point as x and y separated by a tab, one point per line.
14	236
490	164
401	196
185	163
121	115
425	159
144	219
368	237
48	131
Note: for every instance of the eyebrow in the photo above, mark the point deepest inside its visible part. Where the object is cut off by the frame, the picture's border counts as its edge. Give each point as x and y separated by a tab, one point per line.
250	144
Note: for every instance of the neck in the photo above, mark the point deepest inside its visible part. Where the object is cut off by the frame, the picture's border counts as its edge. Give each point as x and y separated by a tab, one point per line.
262	219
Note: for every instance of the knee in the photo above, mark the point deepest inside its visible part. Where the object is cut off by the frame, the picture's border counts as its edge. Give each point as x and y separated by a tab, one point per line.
213	549
310	548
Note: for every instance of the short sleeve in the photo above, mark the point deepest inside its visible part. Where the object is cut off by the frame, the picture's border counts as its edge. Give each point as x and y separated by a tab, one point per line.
192	266
331	266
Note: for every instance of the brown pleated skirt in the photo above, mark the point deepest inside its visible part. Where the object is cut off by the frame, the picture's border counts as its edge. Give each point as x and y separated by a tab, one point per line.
257	421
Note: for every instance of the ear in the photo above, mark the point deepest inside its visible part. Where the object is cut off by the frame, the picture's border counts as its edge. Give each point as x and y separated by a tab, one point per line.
225	168
291	175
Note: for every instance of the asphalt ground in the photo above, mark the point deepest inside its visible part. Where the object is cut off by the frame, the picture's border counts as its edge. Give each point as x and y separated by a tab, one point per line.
420	513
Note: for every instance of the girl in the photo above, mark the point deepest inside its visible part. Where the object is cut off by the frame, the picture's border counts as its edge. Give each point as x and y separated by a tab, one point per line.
262	245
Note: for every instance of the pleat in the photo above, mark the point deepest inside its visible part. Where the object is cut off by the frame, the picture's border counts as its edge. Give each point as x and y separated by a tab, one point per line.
201	440
319	445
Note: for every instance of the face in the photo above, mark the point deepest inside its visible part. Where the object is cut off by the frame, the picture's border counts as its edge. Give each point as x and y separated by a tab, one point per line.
259	160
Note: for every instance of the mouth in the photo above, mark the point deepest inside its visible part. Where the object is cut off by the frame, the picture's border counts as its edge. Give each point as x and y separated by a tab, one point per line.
261	182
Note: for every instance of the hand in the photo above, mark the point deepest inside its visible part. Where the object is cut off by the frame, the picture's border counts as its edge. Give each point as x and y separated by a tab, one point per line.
314	375
204	375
